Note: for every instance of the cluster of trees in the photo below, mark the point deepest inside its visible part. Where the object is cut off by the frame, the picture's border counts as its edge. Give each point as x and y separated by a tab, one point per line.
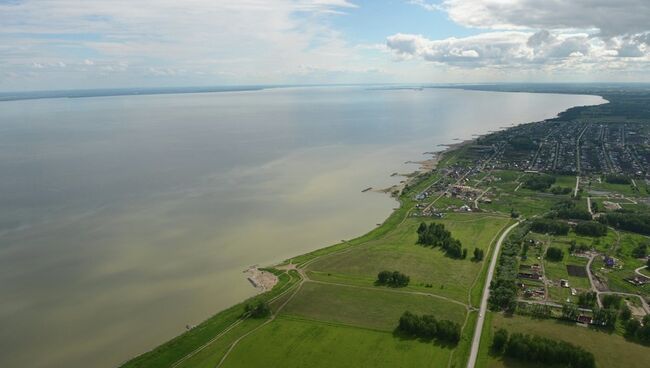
640	251
503	289
539	182
591	228
635	222
428	327
554	254
635	330
617	179
587	300
560	190
605	317
523	143
257	309
479	254
575	247
436	235
554	227
573	213
537	349
394	279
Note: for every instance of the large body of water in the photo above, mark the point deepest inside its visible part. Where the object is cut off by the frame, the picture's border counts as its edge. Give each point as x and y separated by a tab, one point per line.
126	218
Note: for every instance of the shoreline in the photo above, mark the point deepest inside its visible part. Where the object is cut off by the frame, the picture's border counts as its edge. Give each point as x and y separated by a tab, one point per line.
256	274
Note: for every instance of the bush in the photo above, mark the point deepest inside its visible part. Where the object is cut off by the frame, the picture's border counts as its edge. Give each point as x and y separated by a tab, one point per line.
394	279
554	254
591	228
626	313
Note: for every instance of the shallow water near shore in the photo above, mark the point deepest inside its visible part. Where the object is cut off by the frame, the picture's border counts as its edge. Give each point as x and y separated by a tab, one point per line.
127	218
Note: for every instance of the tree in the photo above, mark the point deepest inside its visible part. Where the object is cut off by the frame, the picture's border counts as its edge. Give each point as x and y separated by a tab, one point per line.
587	300
499	340
626	313
640	251
591	228
612	301
647	263
384	277
394	279
258	309
478	254
570	312
554	254
631	327
605	317
464	255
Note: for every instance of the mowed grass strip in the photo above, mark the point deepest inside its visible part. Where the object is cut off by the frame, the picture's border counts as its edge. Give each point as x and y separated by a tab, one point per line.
289	343
398	250
377	309
610	350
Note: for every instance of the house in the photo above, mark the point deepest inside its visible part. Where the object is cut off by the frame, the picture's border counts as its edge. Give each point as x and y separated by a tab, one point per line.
610	262
584	319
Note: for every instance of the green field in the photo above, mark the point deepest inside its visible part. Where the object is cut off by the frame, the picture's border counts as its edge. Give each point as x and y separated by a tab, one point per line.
610	350
377	309
398	251
290	342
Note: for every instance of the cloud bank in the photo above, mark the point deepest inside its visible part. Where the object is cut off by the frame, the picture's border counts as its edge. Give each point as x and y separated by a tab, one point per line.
580	35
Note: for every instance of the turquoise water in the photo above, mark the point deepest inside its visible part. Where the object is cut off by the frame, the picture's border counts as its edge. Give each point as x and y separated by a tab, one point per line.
126	218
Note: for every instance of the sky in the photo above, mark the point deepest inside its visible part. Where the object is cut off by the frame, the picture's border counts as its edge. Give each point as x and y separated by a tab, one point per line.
70	44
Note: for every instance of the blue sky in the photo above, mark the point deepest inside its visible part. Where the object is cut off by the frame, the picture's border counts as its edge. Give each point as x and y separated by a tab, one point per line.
66	44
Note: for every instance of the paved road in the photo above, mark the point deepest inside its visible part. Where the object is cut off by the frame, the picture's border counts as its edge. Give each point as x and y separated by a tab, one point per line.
486	293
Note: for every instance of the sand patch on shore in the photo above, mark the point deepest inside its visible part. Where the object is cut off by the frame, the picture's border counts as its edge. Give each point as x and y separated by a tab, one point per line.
260	279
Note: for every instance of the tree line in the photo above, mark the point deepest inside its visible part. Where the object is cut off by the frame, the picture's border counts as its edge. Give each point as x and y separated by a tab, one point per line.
630	221
591	228
503	288
428	327
553	227
435	235
537	349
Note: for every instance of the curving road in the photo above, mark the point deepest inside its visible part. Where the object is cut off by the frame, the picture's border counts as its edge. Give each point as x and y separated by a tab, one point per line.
484	299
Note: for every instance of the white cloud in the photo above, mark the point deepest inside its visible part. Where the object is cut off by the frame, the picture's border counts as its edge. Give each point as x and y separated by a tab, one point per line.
527	34
233	41
609	17
518	50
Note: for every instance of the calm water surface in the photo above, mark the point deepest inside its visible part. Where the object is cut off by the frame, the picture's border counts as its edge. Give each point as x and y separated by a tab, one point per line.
126	218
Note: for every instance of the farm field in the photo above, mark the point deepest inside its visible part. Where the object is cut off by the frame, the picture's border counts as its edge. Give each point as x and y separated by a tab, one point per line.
290	342
377	309
610	350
